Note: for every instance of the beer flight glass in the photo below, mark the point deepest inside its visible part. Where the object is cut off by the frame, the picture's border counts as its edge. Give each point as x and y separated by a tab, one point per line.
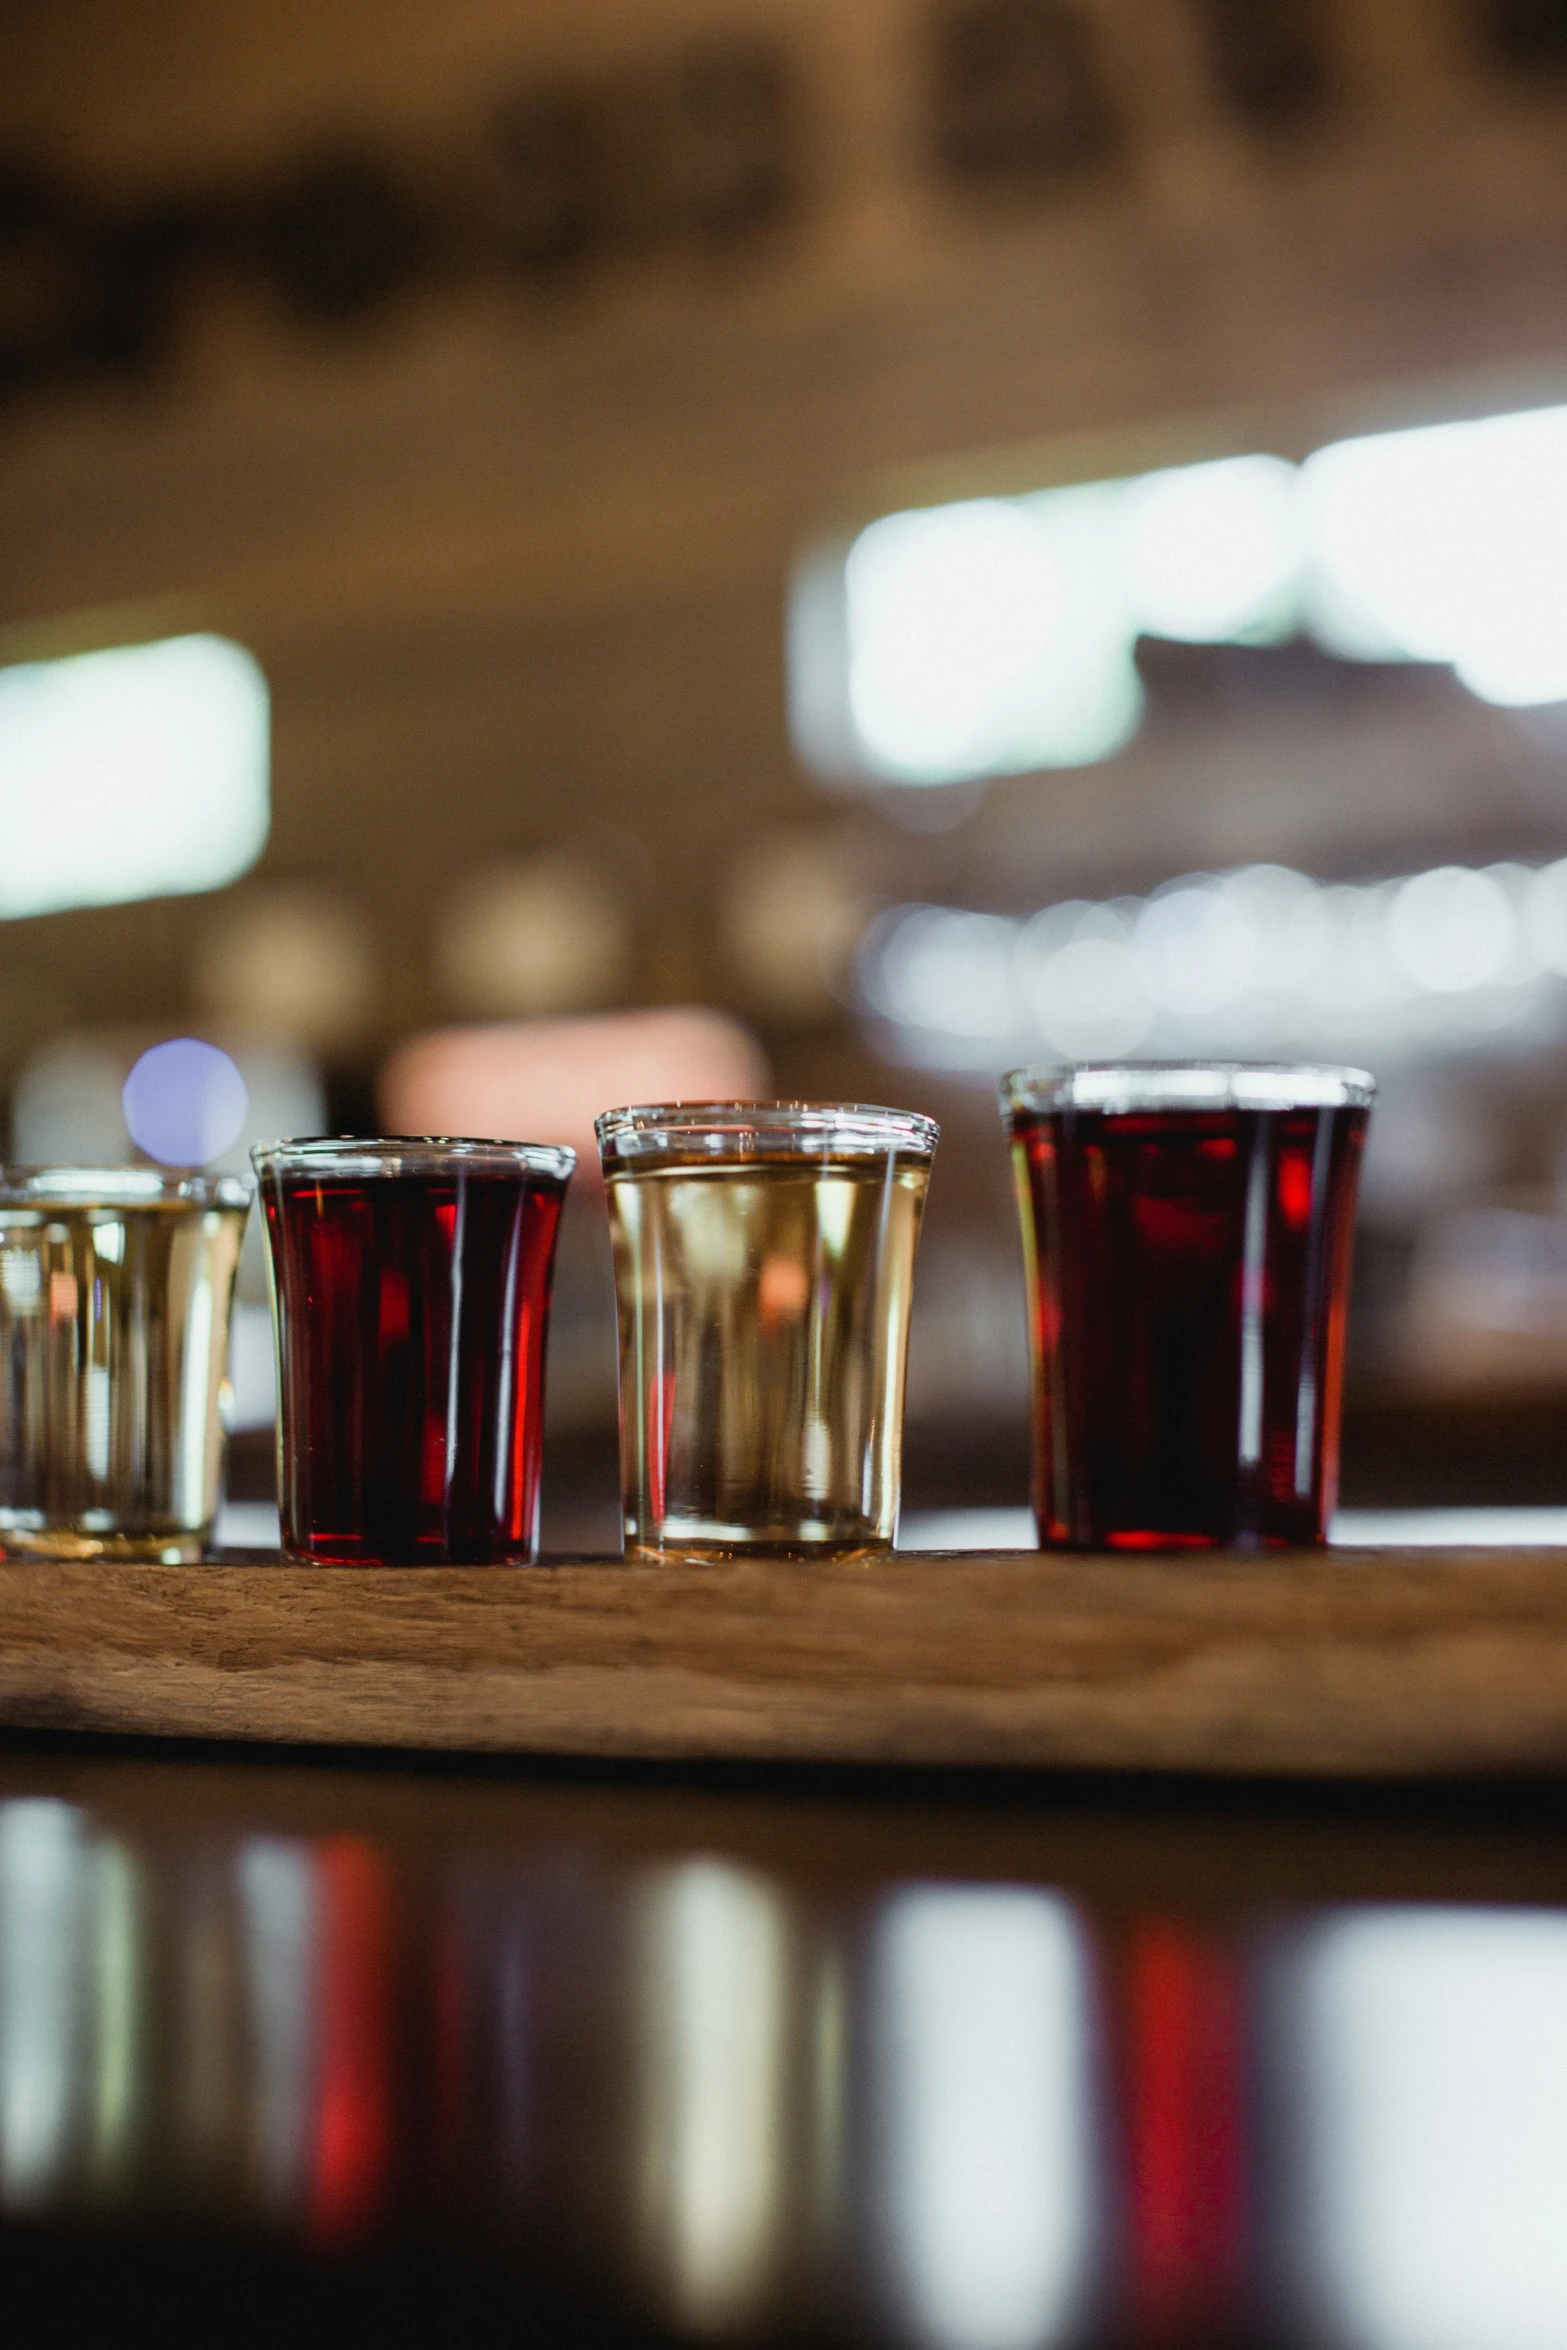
115	1290
764	1265
1187	1234
411	1287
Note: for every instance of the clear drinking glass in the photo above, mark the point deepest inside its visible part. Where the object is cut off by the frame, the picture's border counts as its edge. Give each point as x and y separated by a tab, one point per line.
764	1264
1187	1233
411	1292
115	1288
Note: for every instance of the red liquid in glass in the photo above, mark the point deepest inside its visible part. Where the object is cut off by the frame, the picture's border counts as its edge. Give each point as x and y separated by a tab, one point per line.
413	1311
1189	1275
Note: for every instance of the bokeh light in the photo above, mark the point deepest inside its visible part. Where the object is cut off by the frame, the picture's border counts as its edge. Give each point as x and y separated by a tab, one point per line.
1256	962
184	1102
548	934
291	963
1452	929
790	913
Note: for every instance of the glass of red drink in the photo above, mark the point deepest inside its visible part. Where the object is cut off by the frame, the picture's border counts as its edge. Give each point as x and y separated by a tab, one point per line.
410	1292
1187	1235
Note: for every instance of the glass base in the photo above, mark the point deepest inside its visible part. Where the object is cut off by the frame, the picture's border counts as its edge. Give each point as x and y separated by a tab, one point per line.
795	1549
1151	1541
157	1547
339	1554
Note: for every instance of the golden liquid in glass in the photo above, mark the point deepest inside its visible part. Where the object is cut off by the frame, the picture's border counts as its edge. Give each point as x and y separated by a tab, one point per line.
113	1341
764	1317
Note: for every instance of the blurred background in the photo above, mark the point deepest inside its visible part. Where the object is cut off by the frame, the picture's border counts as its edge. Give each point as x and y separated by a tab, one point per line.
555	556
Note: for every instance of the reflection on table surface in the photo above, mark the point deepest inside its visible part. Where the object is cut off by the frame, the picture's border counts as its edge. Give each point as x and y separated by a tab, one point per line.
964	2066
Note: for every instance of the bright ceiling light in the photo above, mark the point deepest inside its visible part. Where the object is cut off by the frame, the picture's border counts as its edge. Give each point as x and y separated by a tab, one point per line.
997	635
1519	668
1212	552
950	615
1378	515
1447	544
137	773
989	637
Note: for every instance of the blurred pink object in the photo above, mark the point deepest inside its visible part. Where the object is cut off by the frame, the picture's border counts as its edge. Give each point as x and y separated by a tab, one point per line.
547	1080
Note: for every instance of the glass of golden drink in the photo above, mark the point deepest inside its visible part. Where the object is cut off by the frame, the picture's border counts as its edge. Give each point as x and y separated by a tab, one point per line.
764	1265
115	1288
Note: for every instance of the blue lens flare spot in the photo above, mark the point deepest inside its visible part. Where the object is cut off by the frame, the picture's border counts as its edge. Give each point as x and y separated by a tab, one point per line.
185	1102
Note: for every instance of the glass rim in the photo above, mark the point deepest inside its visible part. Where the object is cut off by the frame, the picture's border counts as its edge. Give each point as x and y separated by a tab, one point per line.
410	1154
738	1129
1125	1086
121	1187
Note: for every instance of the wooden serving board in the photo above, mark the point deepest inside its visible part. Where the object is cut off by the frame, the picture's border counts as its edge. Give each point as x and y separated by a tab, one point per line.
1381	1662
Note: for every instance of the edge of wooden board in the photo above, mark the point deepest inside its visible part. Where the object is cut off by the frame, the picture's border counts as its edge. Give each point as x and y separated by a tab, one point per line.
1384	1663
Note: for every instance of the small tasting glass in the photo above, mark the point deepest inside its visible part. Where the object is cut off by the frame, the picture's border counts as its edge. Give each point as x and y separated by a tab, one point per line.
764	1265
1187	1233
411	1282
115	1290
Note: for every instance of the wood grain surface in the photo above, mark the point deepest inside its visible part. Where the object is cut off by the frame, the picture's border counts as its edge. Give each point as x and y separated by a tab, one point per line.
1378	1662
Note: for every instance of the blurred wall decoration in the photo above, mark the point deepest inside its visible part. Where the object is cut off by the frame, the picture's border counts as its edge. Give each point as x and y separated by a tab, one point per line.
927	532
